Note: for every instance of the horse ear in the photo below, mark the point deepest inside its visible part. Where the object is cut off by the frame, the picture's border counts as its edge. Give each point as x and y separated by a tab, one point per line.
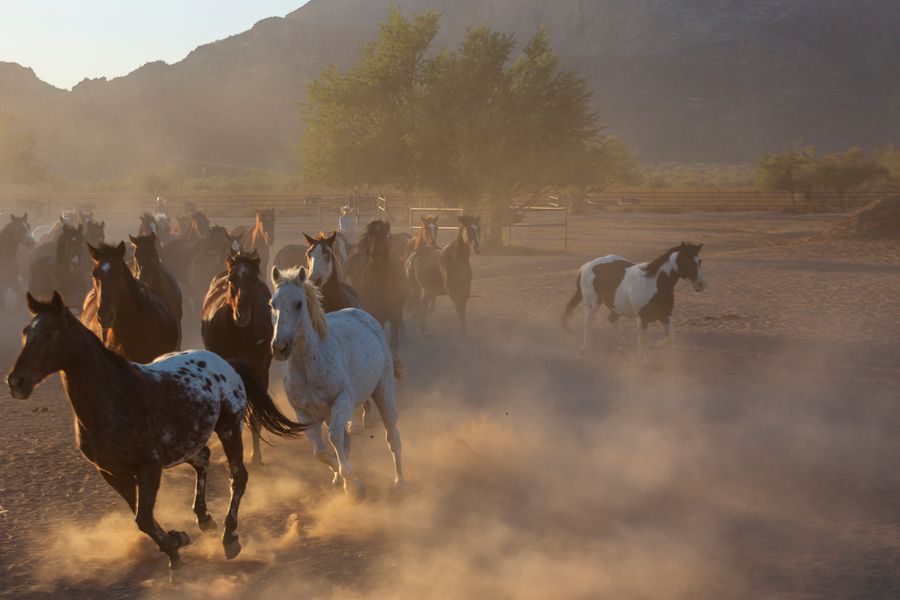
256	262
57	302
276	276
134	241
25	216
424	219
302	275
80	228
699	248
331	238
94	252
309	241
12	217
34	307
120	249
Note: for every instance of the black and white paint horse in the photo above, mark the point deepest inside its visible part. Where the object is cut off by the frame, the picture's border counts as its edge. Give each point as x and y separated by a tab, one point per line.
644	291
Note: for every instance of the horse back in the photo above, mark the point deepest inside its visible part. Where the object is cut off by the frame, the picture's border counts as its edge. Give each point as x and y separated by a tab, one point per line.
608	276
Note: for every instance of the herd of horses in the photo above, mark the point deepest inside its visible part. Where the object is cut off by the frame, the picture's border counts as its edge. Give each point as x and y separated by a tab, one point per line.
143	405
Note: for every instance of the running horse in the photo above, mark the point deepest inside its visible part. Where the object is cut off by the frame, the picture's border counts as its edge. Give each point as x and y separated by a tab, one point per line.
324	272
434	272
644	291
61	265
16	233
378	278
126	314
149	269
426	238
134	420
259	237
237	322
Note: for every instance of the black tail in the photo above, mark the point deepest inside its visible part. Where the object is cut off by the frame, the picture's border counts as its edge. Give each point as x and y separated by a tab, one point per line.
570	307
261	409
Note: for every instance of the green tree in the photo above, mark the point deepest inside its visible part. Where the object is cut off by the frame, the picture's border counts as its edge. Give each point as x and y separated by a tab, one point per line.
845	171
792	172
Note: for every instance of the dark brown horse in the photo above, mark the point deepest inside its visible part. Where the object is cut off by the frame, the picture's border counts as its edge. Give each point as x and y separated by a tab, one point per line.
178	253
132	420
324	272
66	268
426	238
237	321
259	237
378	278
94	232
432	272
128	316
149	270
207	262
16	233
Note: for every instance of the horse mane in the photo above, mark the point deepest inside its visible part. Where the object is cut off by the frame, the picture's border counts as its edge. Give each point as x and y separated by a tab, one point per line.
313	300
135	287
653	267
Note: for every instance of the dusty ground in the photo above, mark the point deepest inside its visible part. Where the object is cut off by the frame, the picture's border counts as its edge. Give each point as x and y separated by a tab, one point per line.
758	458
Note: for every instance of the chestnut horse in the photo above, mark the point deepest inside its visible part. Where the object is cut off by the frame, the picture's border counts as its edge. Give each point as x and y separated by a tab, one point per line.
126	314
237	321
378	278
324	272
133	420
259	237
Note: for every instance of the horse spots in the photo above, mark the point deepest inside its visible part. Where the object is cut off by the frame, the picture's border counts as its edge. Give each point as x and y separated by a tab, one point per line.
202	364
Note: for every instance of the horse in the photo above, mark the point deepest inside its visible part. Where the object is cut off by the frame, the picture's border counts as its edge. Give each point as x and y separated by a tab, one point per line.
644	291
157	223
208	261
50	233
150	271
14	234
324	272
433	272
61	265
237	321
94	232
334	363
126	314
378	278
134	420
179	252
258	237
426	238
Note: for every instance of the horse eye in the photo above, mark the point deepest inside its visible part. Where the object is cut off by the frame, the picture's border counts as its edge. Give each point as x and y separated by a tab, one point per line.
299	305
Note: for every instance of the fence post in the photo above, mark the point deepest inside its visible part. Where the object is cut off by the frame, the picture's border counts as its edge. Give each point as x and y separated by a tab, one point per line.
566	231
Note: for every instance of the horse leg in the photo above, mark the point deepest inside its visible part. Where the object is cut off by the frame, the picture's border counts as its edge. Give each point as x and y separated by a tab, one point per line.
670	333
590	310
148	479
341	412
642	342
459	302
386	402
368	421
616	321
256	452
200	462
418	305
125	485
321	451
229	434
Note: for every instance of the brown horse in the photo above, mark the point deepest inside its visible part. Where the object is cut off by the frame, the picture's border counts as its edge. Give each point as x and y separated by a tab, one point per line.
133	420
16	233
426	238
324	272
128	316
207	262
237	321
157	223
378	278
178	253
432	272
61	265
259	237
149	270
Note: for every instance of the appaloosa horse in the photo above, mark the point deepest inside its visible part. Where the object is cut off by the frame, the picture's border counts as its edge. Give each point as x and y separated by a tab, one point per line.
335	363
644	291
259	237
324	272
149	270
378	278
66	268
237	321
128	316
134	420
433	272
16	233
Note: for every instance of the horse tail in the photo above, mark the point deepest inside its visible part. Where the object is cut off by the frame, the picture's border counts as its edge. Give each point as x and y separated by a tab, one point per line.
261	409
573	302
399	368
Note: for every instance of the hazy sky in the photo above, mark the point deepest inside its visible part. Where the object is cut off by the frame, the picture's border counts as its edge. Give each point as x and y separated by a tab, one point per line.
65	41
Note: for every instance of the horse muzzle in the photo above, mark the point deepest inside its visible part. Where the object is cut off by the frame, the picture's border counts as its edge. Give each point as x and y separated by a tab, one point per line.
699	286
241	318
281	350
19	387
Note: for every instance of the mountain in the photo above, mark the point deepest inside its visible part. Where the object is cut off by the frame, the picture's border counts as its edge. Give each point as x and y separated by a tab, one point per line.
692	80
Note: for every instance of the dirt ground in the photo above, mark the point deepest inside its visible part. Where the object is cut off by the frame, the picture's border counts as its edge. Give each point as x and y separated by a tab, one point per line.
758	458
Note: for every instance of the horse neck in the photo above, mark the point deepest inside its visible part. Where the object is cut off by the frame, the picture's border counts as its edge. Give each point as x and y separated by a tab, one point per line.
150	270
134	297
91	378
458	248
308	347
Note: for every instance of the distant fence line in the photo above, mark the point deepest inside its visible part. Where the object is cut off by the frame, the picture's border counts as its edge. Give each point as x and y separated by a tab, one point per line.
326	206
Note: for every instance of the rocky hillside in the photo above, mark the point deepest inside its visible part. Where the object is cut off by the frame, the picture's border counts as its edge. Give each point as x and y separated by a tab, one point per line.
705	80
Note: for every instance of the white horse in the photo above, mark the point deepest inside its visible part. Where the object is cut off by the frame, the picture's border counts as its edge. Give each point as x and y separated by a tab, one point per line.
47	233
643	291
335	362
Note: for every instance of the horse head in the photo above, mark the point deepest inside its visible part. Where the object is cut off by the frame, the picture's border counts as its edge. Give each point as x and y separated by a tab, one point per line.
21	230
320	258
70	248
690	265
94	232
470	227
376	241
265	223
430	231
110	277
296	307
199	227
45	349
242	277
145	250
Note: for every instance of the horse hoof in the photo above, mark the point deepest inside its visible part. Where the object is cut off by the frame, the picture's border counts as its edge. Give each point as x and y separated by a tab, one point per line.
181	538
356	491
208	525
232	548
175	562
399	485
336	481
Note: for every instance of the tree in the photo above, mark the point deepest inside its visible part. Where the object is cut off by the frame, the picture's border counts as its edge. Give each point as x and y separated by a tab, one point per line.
846	171
470	124
792	172
889	160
